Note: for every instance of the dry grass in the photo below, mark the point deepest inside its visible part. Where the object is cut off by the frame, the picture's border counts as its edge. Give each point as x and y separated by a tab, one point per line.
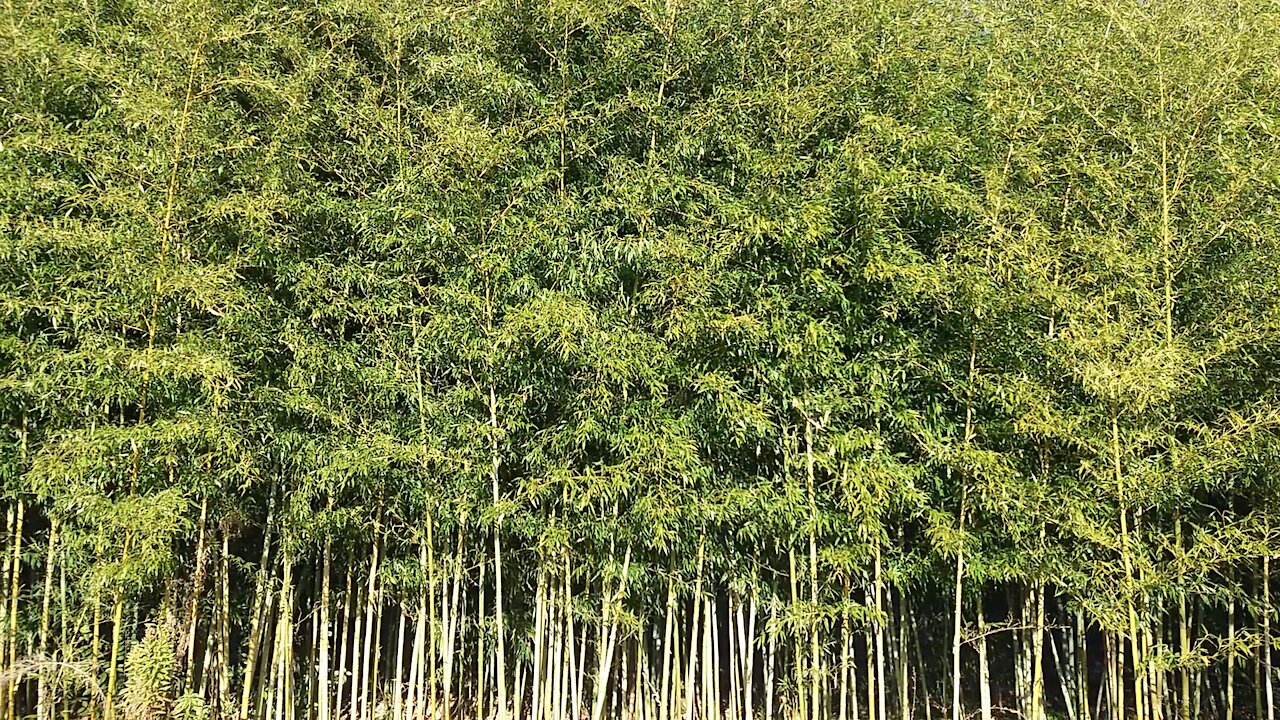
56	672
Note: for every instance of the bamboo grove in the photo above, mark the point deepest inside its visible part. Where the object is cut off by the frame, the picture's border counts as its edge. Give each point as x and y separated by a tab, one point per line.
644	359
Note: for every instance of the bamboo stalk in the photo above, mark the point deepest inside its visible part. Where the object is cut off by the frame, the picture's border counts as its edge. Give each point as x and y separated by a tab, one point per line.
1082	666
429	599
481	656
1037	654
5	704
693	626
814	700
398	685
193	609
710	658
344	642
450	615
879	638
44	709
1126	561
261	594
926	701
1231	659
417	662
539	630
771	654
322	623
223	704
846	640
750	645
1267	609
734	659
956	639
563	655
903	619
609	619
870	652
15	574
984	663
499	617
370	610
667	626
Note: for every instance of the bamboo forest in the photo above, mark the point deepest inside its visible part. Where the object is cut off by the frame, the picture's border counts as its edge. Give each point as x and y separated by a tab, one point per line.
639	359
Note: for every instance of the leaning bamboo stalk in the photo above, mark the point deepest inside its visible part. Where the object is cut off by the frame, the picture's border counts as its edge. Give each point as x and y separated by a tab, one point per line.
375	663
1063	666
417	664
193	609
370	608
345	640
693	638
609	619
259	601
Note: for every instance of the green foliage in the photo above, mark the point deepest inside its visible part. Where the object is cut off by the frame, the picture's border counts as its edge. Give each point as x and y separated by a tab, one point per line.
190	706
777	301
149	672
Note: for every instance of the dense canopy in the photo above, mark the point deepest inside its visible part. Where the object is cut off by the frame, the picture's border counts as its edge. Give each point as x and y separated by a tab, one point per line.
645	359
